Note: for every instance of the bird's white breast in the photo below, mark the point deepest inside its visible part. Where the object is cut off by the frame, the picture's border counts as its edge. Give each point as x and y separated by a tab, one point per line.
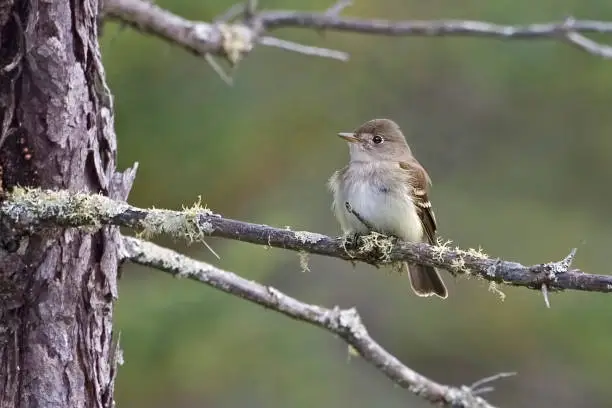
385	206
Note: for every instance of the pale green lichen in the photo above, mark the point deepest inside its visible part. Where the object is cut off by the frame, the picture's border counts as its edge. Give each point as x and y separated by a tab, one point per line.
90	211
29	205
379	243
304	258
441	248
373	243
305	237
308	237
444	246
471	253
237	40
494	287
352	351
345	239
186	224
175	224
460	257
458	265
477	253
459	262
196	211
178	224
269	245
398	268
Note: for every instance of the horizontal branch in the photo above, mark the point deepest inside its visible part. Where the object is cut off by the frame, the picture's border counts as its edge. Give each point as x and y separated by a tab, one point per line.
234	39
431	28
346	323
32	209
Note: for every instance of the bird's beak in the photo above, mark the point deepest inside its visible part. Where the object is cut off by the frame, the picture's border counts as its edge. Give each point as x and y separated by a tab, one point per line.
349	137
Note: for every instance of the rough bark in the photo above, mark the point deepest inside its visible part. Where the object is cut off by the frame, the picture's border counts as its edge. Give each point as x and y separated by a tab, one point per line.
57	287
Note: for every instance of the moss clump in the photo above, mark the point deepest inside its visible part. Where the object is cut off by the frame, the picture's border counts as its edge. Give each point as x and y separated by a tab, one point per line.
237	40
187	224
379	244
33	206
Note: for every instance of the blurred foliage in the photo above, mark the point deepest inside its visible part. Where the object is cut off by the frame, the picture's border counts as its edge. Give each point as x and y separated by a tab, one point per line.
515	134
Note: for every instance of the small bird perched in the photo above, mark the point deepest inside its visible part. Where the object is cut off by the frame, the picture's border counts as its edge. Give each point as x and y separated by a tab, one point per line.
384	189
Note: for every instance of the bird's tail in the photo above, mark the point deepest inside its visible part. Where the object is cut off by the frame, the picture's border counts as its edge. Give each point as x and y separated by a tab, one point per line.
426	281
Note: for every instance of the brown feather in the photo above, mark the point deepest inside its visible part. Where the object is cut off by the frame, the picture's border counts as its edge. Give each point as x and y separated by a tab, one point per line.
420	182
425	280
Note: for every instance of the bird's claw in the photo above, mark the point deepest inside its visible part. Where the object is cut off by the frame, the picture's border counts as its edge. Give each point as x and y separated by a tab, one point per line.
352	240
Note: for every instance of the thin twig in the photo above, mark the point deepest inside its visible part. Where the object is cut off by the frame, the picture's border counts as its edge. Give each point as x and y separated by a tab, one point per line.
219	70
250	9
431	28
230	14
544	290
338	8
303	49
345	323
590	46
477	385
581	42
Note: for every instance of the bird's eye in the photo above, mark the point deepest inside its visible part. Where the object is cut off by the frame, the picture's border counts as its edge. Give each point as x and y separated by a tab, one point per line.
377	139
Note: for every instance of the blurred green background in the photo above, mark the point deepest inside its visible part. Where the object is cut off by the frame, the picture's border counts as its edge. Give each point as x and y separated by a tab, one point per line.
515	134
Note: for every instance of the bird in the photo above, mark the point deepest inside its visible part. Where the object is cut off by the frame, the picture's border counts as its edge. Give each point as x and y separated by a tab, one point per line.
384	189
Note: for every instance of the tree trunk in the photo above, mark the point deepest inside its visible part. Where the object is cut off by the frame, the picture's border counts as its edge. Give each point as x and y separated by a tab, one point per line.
57	287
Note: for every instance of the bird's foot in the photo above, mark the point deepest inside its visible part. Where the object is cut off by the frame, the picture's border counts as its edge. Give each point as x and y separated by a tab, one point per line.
353	240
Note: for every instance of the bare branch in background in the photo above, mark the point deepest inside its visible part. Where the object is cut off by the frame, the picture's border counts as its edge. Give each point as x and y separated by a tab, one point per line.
336	9
33	209
345	323
482	386
588	45
303	49
233	40
227	78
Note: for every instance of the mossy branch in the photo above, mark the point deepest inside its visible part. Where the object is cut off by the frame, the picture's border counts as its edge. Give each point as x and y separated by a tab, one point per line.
31	209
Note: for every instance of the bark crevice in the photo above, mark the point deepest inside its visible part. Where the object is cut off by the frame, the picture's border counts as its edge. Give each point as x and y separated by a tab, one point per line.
57	287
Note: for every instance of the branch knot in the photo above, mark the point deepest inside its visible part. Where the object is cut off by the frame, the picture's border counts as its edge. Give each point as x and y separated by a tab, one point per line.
237	40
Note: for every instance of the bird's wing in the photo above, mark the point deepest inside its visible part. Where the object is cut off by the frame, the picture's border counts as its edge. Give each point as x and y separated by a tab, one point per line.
419	179
338	205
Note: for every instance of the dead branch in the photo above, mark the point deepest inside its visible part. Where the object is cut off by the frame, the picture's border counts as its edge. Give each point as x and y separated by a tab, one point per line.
345	323
237	32
30	210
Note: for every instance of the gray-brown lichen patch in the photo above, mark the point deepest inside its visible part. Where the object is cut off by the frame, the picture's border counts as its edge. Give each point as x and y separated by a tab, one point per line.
206	226
308	237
